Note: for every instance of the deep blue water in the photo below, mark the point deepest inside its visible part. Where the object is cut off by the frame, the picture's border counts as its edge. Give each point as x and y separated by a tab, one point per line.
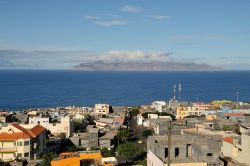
29	89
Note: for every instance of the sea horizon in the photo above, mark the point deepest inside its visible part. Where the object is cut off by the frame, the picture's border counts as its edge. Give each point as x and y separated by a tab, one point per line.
22	89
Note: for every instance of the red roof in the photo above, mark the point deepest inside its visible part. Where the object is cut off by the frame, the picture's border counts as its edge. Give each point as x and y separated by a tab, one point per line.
233	114
38	129
228	140
26	133
4	113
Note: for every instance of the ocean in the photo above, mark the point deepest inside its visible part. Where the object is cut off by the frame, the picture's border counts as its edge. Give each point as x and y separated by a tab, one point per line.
21	89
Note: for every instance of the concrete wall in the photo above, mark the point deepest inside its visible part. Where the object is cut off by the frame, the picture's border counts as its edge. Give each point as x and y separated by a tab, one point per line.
75	141
245	149
189	164
153	160
105	143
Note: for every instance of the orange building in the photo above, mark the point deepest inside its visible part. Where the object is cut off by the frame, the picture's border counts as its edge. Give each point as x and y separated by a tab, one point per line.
22	141
83	158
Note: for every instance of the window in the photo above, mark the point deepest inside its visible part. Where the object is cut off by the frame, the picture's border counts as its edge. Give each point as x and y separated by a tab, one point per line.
14	143
209	154
26	143
166	152
26	154
176	152
19	143
19	155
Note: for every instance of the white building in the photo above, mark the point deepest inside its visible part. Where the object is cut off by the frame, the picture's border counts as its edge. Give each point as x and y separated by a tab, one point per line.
139	120
102	109
158	105
64	126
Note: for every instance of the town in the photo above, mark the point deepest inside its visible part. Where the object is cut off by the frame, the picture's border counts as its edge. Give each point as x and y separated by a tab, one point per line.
175	133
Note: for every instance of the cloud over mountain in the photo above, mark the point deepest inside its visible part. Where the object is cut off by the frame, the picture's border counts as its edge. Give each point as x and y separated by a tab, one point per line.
85	60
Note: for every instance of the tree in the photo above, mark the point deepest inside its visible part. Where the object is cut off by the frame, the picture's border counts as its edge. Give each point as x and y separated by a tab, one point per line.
47	158
106	153
90	120
78	125
123	134
147	133
134	111
227	128
141	162
129	151
237	130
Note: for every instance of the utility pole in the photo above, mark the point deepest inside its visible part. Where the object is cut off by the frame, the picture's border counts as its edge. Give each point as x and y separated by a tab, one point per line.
237	98
169	140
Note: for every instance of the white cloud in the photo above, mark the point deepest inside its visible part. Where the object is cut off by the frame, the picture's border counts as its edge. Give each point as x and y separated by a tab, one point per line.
15	58
131	56
161	17
111	23
89	17
131	9
106	20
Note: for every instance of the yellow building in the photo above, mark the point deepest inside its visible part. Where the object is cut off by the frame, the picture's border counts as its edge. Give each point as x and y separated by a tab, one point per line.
181	112
211	117
26	141
83	158
102	109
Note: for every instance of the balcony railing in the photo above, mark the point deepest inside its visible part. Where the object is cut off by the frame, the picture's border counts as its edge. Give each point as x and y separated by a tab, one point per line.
12	149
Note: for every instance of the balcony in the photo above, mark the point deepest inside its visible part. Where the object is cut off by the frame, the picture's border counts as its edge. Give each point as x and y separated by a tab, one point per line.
8	150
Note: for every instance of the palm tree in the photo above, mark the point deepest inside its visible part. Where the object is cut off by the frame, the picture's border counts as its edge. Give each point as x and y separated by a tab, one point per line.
123	134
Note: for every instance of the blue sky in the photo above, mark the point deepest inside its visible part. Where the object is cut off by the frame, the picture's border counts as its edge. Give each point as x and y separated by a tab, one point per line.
58	34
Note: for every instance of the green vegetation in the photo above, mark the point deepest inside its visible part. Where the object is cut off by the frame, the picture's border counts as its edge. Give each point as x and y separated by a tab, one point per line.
237	130
129	151
4	164
68	146
145	114
227	128
147	132
134	111
90	120
123	134
141	162
78	125
107	153
47	158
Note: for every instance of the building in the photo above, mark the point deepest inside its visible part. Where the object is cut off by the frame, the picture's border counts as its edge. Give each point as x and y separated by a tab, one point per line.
5	117
93	158
237	148
88	139
102	109
107	140
202	106
184	111
158	105
93	138
173	104
181	112
105	123
139	120
22	141
64	126
185	150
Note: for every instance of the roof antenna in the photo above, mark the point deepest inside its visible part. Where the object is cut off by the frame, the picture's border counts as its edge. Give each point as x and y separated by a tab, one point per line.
179	91
174	92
